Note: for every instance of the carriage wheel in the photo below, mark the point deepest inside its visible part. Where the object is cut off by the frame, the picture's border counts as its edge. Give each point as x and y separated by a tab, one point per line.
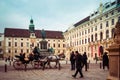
36	64
18	65
32	63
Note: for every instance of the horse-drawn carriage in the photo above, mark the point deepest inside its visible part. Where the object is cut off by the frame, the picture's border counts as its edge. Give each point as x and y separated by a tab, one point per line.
37	61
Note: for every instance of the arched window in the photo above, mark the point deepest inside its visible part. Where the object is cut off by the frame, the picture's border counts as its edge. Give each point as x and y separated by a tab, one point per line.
107	34
112	31
107	23
101	26
101	35
95	36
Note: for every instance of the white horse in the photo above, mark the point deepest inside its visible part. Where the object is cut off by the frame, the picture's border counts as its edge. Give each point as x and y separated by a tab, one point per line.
54	58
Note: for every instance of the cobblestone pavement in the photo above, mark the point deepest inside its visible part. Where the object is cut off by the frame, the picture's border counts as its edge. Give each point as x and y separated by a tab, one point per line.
94	73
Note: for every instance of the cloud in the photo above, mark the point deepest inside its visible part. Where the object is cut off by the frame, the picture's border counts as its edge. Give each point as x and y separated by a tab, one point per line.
47	14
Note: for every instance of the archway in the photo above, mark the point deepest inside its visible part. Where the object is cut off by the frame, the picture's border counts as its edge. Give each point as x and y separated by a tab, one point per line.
101	49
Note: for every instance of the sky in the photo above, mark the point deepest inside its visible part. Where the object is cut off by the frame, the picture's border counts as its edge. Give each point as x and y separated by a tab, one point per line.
56	15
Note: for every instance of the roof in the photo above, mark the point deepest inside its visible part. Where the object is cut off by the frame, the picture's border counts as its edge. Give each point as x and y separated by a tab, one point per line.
14	32
82	21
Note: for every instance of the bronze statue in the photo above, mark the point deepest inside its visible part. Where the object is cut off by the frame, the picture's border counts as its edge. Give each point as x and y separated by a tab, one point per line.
43	34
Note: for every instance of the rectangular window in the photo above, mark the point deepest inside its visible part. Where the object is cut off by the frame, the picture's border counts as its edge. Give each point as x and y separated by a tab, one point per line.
63	45
85	41
58	45
82	32
53	45
15	51
15	44
21	50
85	32
27	50
92	38
9	44
96	28
21	44
112	21
91	29
48	44
9	51
80	42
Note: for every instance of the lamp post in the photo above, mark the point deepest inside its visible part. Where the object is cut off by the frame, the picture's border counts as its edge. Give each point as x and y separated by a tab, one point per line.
12	47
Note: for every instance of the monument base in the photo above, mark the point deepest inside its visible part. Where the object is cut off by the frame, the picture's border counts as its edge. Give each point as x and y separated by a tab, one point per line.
114	62
112	78
44	52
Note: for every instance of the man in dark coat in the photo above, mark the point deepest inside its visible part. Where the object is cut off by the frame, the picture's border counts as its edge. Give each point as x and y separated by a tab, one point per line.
72	60
79	64
85	60
105	60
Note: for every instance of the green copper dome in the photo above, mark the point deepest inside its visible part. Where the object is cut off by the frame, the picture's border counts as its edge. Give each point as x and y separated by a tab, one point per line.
31	26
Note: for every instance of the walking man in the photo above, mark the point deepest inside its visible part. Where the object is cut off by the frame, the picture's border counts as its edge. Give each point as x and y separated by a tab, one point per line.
105	60
79	64
72	60
85	60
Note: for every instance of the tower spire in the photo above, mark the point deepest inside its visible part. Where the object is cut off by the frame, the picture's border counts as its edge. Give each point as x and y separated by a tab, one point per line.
31	26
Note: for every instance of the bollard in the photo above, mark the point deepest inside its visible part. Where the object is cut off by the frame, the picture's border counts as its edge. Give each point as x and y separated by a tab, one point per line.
59	66
88	65
25	67
5	67
100	65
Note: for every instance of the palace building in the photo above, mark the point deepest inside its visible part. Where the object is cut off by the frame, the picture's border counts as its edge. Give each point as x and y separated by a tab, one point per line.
24	40
94	33
1	44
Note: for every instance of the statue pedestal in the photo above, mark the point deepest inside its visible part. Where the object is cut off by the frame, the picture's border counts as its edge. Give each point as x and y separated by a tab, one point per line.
114	62
43	44
43	48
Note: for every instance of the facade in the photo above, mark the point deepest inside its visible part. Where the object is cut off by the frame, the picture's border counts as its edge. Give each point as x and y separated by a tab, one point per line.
24	40
94	33
1	44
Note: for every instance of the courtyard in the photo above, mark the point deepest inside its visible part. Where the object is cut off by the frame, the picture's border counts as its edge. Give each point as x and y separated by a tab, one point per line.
94	73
